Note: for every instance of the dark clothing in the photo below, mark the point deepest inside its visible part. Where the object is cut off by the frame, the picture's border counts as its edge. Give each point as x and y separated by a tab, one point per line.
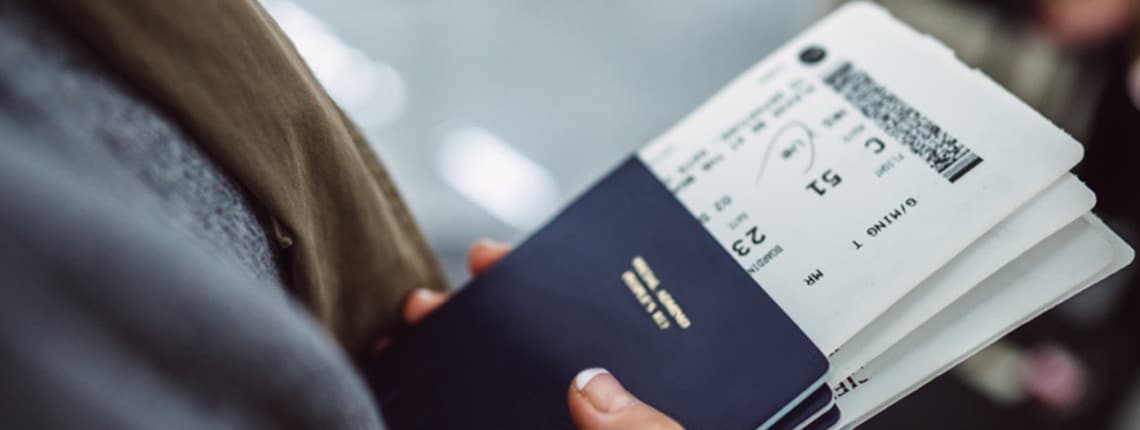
178	200
47	77
111	319
231	79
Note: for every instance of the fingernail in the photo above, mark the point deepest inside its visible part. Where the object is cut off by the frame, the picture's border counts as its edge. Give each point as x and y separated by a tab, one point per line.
1134	83
603	391
490	243
426	294
584	377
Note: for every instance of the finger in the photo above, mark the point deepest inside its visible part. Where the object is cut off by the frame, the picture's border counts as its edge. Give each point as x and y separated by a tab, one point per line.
485	253
599	402
421	303
418	305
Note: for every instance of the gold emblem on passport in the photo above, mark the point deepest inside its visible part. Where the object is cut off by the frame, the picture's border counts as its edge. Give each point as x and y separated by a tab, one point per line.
647	289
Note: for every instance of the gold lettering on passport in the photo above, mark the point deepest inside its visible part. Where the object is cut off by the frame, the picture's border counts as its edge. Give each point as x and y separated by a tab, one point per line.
673	308
639	291
645	273
638	283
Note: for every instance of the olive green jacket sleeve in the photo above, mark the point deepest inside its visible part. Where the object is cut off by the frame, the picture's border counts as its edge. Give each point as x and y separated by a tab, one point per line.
234	81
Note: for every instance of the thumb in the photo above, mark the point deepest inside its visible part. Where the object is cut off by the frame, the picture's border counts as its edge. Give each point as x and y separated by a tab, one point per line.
599	402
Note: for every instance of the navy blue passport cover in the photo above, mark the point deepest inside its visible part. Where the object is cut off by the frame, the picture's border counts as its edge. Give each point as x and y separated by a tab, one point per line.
502	352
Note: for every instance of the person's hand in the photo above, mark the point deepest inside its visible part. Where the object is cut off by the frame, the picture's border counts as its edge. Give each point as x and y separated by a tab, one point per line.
596	399
599	402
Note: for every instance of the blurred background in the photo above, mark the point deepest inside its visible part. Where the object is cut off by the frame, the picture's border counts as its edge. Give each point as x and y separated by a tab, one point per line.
492	114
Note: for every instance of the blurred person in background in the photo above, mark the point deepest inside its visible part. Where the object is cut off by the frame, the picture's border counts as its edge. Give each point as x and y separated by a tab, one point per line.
1092	23
194	235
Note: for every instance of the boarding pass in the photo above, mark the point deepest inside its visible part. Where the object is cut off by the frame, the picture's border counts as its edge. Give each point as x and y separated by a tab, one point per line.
853	163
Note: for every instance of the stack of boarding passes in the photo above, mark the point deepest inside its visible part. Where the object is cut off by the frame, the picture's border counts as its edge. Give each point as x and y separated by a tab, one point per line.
908	211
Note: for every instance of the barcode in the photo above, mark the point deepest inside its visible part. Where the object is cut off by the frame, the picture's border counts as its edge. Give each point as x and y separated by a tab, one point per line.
941	151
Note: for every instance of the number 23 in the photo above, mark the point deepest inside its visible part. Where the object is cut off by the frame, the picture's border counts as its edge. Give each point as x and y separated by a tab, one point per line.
743	246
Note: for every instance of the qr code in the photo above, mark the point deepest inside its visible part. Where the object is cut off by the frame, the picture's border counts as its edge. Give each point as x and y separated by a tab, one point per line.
941	151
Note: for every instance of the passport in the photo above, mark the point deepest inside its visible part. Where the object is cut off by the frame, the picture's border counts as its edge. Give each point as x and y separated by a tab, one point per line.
841	224
626	279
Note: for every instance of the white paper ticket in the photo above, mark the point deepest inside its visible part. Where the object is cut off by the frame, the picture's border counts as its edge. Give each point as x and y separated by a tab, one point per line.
1066	263
853	163
1061	204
